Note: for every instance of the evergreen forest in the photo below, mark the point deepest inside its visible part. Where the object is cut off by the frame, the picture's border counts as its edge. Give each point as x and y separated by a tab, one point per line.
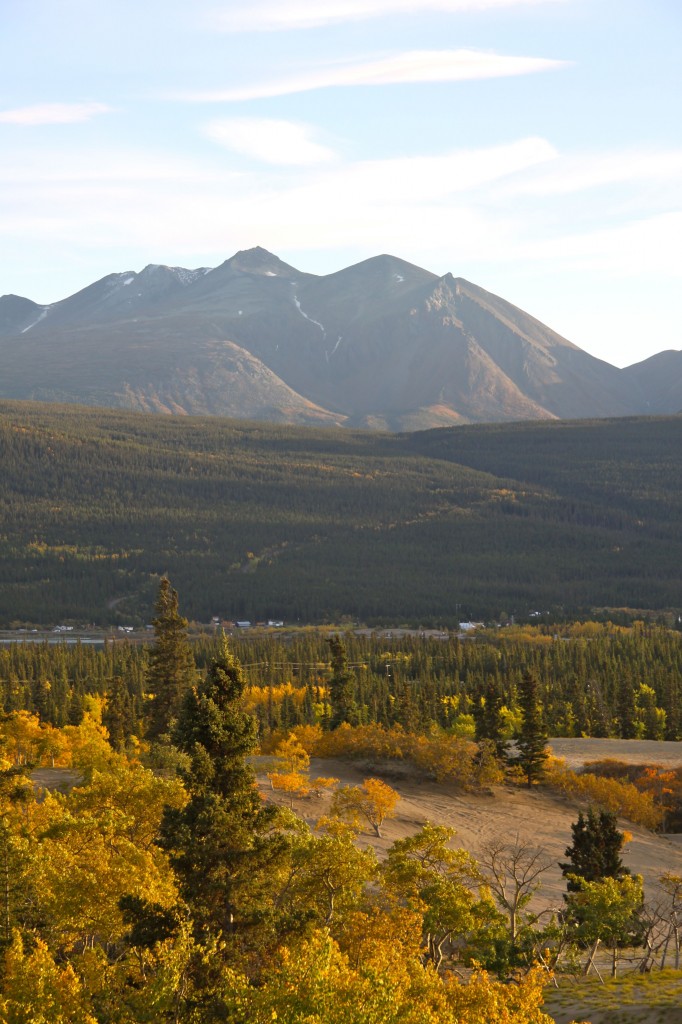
258	521
592	679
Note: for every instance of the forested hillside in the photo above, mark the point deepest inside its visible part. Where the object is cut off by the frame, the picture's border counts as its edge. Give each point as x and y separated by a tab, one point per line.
256	521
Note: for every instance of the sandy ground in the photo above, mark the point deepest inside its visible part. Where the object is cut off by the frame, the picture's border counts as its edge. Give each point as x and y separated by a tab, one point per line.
533	816
667	753
507	812
61	779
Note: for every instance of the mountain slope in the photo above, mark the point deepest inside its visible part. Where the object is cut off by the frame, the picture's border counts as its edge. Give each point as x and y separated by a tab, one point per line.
382	344
659	379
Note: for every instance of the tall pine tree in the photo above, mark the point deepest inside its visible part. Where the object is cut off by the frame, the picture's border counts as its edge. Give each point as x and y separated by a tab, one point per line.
222	844
531	739
488	719
342	686
172	670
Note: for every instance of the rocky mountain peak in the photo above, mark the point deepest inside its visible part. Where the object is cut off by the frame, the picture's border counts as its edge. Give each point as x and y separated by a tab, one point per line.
259	261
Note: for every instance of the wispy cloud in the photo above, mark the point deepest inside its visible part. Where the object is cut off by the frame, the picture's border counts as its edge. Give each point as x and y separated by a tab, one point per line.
410	67
272	141
275	15
405	202
53	113
582	172
621	251
421	180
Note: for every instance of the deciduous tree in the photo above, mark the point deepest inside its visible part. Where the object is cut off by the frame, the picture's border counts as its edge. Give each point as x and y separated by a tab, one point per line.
438	882
608	910
374	801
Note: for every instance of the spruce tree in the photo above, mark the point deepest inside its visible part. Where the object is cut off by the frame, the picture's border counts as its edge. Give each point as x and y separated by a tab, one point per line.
118	716
221	844
531	739
342	686
595	851
626	709
172	670
489	723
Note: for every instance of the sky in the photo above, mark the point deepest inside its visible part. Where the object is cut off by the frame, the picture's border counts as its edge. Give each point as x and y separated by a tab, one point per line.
533	147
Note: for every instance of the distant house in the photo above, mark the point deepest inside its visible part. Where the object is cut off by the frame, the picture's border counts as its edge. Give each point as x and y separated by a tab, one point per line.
244	624
275	622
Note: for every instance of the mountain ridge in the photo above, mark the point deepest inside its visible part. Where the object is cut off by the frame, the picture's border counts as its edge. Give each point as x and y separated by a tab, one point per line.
382	344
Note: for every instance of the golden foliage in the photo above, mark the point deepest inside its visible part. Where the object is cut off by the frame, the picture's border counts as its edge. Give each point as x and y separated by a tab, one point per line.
36	989
373	800
442	756
623	798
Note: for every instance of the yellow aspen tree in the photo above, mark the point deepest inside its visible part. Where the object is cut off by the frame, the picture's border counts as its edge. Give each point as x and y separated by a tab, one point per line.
374	801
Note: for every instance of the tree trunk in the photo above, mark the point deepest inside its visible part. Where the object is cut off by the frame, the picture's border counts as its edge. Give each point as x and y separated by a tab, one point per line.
590	959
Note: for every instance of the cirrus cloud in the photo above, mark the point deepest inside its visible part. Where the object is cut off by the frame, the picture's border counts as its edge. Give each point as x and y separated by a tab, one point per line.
274	16
53	113
412	66
269	140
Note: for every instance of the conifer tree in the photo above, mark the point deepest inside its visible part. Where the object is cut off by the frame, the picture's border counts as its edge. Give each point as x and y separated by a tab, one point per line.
221	844
532	739
488	719
172	670
626	710
595	851
341	686
118	714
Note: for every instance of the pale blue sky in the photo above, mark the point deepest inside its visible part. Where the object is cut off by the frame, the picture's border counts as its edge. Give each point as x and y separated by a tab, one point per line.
531	146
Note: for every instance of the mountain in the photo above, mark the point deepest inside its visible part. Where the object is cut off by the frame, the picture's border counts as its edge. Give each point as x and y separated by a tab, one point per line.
382	344
659	379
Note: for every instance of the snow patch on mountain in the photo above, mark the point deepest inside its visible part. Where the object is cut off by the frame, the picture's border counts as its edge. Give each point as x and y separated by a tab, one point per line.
34	322
305	315
185	276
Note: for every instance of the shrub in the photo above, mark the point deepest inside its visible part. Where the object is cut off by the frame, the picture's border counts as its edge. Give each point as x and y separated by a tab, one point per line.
623	798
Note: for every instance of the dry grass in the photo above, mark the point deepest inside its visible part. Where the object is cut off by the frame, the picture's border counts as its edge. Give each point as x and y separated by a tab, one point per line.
632	999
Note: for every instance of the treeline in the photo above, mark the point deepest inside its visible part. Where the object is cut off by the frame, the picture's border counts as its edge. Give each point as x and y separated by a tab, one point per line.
261	521
593	679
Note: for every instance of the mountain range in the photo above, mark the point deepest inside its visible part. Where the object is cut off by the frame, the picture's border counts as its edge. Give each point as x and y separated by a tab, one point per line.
382	345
